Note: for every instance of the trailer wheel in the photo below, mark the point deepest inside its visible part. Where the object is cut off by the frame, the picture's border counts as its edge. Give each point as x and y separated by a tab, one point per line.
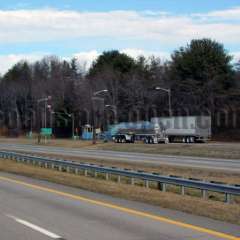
148	140
192	139
166	141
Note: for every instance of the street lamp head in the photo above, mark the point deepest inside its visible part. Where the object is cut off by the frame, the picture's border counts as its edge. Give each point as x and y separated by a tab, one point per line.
99	92
163	89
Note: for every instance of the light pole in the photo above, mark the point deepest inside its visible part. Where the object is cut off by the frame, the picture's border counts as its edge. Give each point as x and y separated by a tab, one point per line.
93	113
73	124
45	107
114	108
45	100
168	90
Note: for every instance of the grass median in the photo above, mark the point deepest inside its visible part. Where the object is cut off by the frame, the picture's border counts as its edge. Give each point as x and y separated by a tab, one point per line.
198	206
163	169
212	149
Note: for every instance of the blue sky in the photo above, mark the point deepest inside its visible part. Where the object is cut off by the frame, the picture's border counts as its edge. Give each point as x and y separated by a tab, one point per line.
175	6
67	28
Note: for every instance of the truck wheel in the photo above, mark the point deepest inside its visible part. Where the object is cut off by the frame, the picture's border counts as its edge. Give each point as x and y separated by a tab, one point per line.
166	140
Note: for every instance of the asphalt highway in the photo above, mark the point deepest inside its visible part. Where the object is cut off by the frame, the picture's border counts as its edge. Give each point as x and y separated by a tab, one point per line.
35	209
153	159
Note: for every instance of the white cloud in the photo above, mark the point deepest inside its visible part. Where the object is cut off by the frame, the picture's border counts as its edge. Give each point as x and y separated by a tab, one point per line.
236	56
7	61
227	14
133	52
86	58
50	24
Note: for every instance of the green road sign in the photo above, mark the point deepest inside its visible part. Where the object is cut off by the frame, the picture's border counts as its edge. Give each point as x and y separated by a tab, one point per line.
46	131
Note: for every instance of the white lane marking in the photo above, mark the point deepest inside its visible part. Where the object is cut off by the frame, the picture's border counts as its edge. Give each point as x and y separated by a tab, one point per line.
36	228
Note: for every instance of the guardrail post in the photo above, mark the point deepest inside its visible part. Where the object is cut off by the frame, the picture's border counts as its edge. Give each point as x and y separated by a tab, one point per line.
227	198
59	168
182	190
132	181
107	176
146	183
162	186
76	171
52	166
85	172
95	174
119	179
204	194
68	169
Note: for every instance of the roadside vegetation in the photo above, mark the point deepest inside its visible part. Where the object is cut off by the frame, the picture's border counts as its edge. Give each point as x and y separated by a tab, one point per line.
213	209
164	169
202	77
212	149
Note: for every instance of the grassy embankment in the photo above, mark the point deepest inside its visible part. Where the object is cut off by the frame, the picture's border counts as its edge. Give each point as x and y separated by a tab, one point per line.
215	150
189	204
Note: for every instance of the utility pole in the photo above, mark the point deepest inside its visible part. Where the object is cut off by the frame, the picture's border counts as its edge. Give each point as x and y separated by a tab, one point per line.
93	113
168	90
45	100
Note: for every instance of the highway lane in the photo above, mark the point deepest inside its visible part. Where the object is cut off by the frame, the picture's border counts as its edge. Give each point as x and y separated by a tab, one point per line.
71	214
153	159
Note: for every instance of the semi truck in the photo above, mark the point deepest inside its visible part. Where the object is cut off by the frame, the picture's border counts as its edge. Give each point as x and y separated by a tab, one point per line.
138	131
187	129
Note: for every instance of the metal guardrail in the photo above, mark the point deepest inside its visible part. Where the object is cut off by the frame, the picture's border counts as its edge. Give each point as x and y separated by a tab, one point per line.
163	181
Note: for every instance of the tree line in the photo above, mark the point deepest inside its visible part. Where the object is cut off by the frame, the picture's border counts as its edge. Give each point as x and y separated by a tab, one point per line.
201	75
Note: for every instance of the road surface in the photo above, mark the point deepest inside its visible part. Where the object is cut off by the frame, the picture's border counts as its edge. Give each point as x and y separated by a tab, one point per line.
153	159
35	209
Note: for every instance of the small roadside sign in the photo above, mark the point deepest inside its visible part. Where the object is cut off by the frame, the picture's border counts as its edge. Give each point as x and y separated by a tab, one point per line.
46	131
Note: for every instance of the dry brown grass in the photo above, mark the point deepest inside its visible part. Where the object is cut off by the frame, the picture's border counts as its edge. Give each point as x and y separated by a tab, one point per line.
212	209
204	174
215	150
